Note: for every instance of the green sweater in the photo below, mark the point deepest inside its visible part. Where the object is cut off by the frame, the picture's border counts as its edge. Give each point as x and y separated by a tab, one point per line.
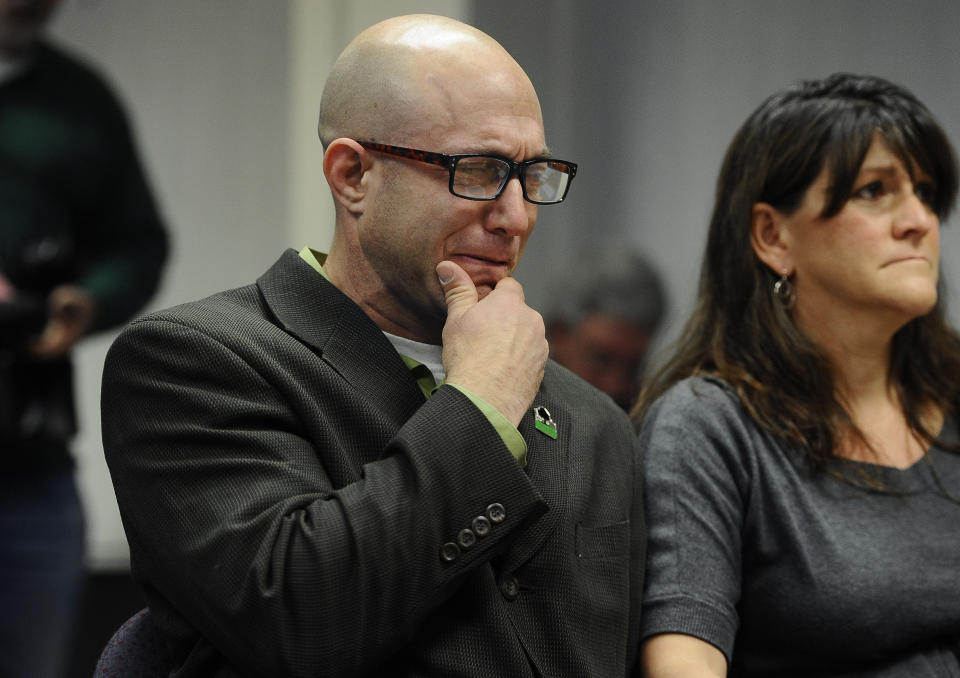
70	181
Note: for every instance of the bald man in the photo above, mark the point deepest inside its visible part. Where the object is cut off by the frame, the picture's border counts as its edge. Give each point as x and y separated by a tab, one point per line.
363	464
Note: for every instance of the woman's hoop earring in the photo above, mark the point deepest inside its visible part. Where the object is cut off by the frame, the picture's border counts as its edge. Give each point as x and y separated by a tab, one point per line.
783	291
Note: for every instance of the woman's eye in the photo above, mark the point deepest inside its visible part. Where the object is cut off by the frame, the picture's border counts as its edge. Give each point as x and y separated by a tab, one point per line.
872	190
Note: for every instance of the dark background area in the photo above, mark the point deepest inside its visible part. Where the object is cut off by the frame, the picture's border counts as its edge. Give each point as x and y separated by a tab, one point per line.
108	600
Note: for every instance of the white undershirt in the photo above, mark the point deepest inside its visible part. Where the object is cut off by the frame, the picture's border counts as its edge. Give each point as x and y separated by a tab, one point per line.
428	355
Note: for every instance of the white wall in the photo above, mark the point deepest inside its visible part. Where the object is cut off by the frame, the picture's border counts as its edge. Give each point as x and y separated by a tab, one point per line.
223	95
644	95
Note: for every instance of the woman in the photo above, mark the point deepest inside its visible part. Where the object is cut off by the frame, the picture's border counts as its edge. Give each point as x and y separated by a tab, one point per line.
803	474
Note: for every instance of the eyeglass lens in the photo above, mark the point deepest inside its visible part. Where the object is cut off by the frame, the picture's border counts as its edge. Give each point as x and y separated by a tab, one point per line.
484	177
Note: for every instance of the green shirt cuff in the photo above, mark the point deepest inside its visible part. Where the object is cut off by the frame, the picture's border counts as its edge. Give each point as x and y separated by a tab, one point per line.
511	436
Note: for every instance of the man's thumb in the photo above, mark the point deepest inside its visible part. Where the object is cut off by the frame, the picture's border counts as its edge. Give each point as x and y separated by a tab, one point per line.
458	289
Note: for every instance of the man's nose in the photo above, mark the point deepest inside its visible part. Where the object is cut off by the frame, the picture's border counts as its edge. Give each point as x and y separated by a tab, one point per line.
511	214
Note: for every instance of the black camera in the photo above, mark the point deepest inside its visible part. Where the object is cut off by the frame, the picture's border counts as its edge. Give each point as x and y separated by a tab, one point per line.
21	318
35	394
33	267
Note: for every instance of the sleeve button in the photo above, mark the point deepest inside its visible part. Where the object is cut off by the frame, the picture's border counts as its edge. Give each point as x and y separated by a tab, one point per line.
481	526
466	538
496	513
510	588
449	552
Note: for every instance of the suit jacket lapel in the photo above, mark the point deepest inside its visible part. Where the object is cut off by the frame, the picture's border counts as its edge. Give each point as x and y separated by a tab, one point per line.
309	307
547	468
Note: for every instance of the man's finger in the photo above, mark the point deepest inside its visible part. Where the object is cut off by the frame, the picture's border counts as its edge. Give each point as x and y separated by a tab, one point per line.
458	289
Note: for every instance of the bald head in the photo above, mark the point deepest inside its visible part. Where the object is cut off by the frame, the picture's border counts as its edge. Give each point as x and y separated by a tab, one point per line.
387	83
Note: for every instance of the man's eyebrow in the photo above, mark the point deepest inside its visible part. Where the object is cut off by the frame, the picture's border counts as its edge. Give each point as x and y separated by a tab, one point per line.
544	153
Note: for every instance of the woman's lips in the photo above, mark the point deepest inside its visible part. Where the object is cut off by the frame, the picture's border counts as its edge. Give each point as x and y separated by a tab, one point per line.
910	257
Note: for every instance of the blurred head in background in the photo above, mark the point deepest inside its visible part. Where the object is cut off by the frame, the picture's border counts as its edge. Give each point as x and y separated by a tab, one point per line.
605	310
21	22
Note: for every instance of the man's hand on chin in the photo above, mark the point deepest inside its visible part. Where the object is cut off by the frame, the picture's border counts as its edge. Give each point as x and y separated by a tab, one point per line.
494	346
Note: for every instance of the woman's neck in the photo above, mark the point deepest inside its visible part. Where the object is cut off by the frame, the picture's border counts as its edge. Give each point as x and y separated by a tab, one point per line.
859	351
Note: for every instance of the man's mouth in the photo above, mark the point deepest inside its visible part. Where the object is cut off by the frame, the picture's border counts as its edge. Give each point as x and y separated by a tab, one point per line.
483	269
481	260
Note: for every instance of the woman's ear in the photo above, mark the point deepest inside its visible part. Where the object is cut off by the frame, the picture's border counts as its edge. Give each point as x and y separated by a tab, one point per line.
344	164
770	239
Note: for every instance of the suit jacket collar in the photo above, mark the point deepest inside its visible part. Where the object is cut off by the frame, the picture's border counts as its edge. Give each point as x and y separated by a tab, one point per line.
308	306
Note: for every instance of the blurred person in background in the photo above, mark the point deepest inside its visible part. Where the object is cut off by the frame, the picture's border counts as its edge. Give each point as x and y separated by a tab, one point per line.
605	308
81	248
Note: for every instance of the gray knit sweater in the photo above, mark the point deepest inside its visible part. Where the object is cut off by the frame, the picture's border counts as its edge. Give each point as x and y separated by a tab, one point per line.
791	572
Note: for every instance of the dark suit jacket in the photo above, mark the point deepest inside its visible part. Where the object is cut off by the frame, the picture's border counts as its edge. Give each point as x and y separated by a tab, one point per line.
288	493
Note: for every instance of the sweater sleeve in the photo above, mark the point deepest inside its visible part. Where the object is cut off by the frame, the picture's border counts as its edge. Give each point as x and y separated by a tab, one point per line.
695	444
124	244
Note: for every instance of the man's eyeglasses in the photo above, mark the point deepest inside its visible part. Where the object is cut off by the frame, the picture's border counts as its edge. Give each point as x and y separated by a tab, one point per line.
474	176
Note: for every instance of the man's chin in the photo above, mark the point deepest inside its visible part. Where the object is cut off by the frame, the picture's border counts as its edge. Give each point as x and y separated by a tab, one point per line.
483	289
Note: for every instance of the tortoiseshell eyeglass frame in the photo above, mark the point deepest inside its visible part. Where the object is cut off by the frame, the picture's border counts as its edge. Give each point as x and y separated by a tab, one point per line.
450	161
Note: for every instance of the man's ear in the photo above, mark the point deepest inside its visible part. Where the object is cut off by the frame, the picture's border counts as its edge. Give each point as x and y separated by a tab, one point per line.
770	239
344	164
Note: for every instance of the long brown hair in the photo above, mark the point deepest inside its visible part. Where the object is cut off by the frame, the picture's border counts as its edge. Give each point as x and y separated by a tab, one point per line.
739	331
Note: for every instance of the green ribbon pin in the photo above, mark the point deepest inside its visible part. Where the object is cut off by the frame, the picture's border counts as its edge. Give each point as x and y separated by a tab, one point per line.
544	422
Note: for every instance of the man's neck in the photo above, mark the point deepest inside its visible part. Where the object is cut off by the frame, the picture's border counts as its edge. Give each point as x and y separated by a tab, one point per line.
368	292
